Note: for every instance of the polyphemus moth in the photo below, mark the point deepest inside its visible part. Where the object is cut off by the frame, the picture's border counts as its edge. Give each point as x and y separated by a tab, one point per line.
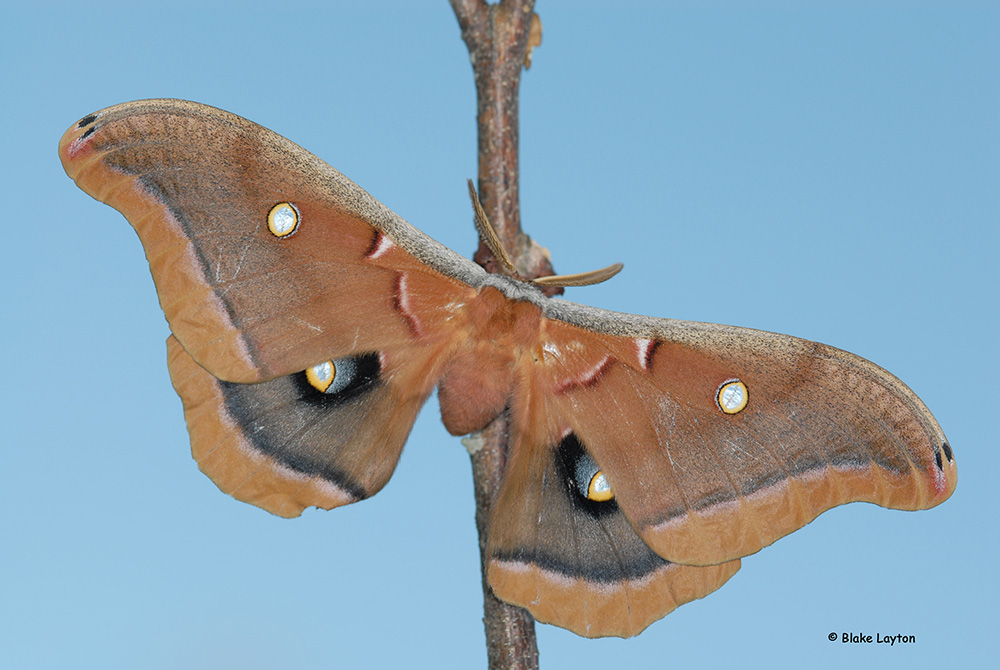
310	323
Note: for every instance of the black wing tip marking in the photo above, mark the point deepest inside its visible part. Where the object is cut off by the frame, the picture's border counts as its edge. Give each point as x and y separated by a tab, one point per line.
87	120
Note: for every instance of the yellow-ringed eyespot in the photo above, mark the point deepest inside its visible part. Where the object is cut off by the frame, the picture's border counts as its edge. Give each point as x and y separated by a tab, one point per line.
338	380
321	375
333	376
599	489
591	481
283	219
732	396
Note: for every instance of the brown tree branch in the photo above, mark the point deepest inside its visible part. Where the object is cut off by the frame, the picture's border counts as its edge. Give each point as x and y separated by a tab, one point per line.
497	36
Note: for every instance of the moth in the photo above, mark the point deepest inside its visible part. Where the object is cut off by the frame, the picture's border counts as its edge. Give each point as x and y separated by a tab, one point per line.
310	323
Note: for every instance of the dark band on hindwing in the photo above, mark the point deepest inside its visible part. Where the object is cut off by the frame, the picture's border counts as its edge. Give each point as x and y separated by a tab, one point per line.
301	427
575	536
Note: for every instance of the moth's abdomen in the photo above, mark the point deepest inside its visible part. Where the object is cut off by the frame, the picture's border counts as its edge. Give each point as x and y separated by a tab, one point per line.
480	374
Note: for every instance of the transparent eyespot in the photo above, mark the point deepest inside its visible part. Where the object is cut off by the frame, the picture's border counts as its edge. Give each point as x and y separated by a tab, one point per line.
283	219
591	481
332	376
733	396
599	488
320	376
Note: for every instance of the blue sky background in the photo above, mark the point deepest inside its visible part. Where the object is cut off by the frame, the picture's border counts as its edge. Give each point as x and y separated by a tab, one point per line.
825	171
